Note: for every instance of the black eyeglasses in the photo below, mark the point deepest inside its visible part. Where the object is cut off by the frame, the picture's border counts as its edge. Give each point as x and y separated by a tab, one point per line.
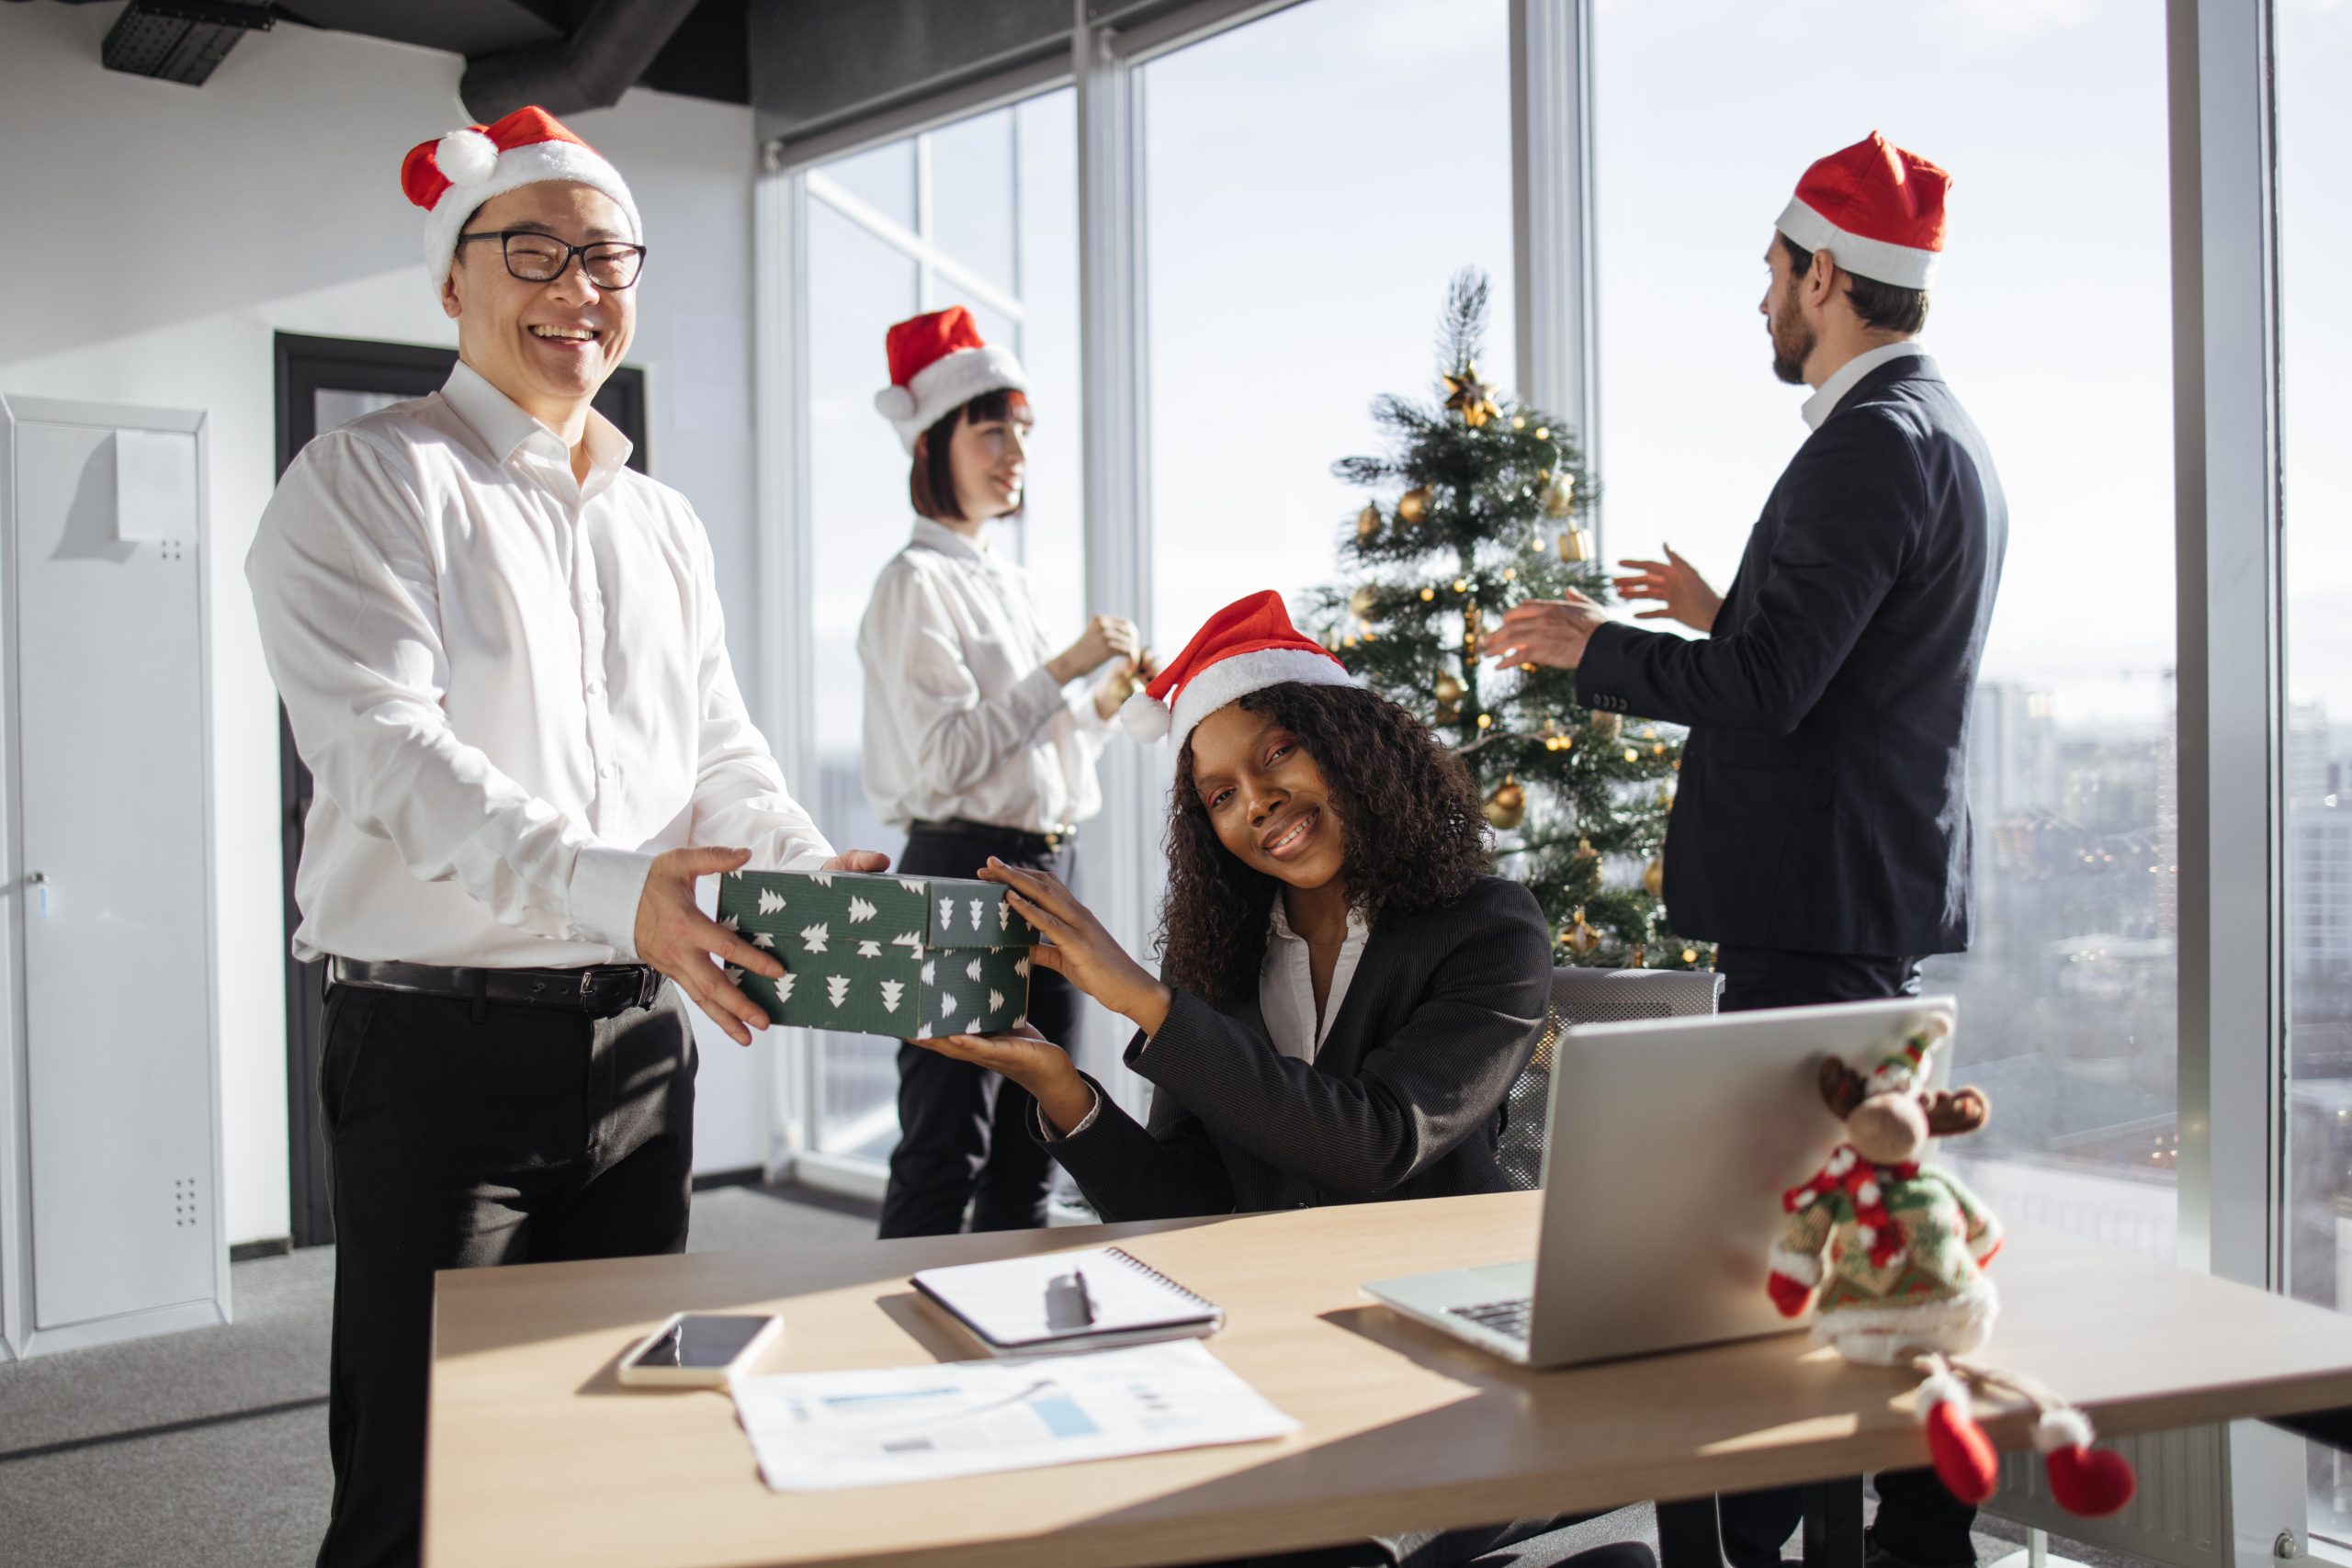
535	257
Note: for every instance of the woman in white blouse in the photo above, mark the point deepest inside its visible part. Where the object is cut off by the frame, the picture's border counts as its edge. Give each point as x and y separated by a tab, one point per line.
981	736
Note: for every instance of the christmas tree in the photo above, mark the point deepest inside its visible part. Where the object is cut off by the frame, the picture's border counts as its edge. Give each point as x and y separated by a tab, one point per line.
1482	503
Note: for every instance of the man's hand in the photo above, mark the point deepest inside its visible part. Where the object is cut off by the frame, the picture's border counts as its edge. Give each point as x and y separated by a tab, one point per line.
674	936
1683	594
1546	631
1107	637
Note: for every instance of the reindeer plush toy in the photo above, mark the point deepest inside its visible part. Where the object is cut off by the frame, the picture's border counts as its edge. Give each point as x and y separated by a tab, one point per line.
1896	1251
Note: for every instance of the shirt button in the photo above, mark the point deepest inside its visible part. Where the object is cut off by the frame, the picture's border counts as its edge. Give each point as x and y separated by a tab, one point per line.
609	771
595	688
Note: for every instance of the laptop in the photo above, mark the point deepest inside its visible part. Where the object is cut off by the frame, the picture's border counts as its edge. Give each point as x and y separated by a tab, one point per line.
1670	1144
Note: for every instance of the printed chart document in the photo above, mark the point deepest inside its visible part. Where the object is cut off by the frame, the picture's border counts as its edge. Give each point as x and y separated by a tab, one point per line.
820	1431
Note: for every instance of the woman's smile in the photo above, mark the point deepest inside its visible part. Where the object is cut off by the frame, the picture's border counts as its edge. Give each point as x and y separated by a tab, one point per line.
1290	839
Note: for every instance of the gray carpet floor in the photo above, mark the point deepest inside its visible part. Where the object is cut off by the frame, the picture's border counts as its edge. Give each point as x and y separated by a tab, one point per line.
208	1449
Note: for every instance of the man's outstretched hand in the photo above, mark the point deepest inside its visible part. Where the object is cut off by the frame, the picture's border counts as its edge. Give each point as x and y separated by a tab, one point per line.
675	937
1546	631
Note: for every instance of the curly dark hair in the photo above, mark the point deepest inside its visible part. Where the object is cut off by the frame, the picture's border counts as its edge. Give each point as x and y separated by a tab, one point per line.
1415	839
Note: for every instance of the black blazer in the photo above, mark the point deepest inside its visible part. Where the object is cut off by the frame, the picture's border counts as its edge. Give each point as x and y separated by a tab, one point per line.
1404	1099
1824	796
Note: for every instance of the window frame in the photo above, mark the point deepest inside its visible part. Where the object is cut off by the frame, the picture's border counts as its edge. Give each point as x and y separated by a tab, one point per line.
2224	159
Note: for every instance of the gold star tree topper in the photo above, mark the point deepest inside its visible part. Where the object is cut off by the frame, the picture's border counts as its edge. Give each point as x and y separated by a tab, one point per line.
1470	397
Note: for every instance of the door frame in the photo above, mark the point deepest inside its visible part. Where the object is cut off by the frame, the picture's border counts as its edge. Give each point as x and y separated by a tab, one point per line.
307	366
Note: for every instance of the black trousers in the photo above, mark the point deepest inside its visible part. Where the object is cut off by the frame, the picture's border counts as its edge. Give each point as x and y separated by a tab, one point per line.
963	1131
1917	1519
460	1136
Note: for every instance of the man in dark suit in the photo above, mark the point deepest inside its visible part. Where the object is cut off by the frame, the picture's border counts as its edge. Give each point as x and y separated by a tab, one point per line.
1820	834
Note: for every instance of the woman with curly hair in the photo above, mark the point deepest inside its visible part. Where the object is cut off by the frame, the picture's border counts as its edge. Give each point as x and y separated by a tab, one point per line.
1346	994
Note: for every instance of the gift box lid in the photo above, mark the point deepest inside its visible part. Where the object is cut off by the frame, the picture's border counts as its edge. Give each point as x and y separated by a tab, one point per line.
938	912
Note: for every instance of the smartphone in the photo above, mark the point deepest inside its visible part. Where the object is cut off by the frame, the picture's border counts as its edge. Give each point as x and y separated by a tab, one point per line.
699	1349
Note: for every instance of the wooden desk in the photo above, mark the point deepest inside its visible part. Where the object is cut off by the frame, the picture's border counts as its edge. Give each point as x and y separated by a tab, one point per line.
538	1454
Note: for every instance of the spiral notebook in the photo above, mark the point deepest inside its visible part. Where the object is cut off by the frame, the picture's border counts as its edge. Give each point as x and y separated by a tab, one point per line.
1091	1300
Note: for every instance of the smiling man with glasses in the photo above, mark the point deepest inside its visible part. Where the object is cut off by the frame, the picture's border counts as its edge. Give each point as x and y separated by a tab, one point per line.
502	654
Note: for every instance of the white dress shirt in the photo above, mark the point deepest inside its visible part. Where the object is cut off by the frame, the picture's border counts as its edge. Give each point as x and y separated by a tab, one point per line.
1287	984
963	719
512	688
1285	998
1823	403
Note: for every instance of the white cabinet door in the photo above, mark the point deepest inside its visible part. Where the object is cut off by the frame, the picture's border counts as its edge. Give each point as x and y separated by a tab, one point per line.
109	734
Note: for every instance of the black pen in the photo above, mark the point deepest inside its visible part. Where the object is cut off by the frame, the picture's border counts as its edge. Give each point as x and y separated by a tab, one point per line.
1085	1296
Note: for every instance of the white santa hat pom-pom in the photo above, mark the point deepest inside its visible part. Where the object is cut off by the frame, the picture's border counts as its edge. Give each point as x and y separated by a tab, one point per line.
2063	1429
895	402
1941	1389
1145	717
466	157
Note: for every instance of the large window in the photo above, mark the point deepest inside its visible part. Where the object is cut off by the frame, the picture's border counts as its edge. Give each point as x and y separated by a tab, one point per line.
2051	317
981	213
1312	179
2314	119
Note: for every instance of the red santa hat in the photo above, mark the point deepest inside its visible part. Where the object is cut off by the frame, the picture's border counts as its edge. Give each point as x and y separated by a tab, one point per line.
452	176
1244	648
1879	210
937	365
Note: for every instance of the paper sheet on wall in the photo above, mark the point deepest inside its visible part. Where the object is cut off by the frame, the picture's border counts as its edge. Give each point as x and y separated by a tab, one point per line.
154	486
823	1431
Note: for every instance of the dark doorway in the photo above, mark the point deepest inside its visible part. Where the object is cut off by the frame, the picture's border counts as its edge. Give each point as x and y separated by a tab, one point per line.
323	382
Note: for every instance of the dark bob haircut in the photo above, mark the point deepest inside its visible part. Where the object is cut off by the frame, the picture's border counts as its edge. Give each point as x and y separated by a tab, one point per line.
1406	805
1881	305
931	482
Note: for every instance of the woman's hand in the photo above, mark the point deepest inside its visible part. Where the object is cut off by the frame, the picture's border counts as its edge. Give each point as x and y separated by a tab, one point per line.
1107	637
1083	952
1683	594
1125	678
1030	1060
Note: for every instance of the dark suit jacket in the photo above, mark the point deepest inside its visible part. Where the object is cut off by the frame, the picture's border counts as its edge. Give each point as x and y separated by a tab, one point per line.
1404	1099
1823	796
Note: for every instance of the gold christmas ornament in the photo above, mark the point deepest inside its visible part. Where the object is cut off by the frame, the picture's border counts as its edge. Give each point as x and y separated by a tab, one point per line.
1461	585
1654	878
1448	693
1507	807
1542	432
1517	422
1559	495
1585	850
1632	755
1427	595
1360	603
1471	399
1485	720
1413	506
1690	955
1575	544
1578	936
1368	520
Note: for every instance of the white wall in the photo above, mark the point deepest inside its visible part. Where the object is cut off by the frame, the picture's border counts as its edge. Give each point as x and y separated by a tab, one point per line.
160	234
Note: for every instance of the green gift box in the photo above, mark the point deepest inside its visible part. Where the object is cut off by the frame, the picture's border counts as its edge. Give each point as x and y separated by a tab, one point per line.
901	956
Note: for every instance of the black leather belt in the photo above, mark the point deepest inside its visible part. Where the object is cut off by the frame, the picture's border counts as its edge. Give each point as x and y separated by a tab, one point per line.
1020	840
599	990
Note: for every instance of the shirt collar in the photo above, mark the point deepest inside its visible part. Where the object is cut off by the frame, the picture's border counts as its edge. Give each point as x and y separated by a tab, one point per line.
504	426
1278	922
948	542
1822	403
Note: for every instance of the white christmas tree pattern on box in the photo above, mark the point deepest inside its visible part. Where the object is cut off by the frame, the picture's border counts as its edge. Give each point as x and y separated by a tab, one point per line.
863	955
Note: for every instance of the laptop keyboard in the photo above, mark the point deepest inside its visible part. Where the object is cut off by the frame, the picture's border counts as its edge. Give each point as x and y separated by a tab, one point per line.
1506	1318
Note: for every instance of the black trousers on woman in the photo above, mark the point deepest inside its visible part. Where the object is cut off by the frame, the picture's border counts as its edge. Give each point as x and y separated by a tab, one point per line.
963	1131
461	1135
1918	1520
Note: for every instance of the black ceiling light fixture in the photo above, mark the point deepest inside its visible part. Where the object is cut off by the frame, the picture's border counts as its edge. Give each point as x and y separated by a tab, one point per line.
181	41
